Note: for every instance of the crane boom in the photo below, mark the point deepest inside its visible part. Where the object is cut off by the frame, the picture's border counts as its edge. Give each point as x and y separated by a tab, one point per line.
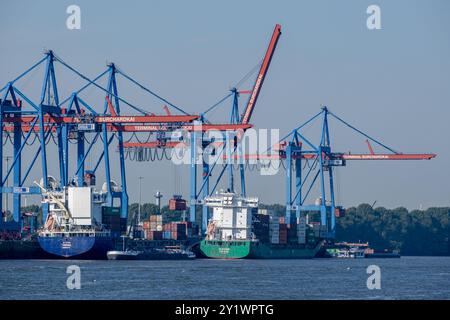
261	75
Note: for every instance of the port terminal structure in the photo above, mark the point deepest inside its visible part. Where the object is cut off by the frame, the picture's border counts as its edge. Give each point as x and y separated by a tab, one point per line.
25	120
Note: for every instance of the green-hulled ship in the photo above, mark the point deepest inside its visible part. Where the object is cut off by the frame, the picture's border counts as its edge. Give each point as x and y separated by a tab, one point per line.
248	249
238	231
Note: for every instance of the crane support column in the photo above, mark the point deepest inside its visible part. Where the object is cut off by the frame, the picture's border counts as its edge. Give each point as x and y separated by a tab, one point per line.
80	159
205	193
229	163
193	169
123	193
288	182
1	150
17	170
298	187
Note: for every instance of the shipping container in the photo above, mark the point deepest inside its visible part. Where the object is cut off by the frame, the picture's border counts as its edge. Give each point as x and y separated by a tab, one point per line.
110	211
154	235
339	212
156	218
177	204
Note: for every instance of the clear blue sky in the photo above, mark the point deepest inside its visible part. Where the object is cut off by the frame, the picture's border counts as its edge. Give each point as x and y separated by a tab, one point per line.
392	83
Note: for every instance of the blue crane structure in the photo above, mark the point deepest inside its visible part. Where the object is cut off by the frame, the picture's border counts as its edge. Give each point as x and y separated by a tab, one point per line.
307	165
24	120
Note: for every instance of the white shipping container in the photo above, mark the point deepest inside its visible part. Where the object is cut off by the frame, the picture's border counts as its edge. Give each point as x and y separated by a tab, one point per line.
262	211
80	205
242	234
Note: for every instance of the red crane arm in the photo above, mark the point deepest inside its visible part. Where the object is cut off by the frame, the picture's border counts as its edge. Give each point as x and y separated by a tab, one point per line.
345	156
261	75
115	127
111	107
107	119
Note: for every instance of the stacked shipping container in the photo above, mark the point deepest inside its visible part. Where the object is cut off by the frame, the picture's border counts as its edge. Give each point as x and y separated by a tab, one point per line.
301	230
112	221
269	229
283	231
177	230
153	228
260	226
274	230
278	230
177	203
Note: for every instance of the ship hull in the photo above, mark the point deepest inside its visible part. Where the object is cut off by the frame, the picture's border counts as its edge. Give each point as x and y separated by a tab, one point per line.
77	247
22	249
246	249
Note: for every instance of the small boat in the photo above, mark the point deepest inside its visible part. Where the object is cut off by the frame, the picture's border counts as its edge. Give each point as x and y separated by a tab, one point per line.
123	255
151	254
347	253
166	253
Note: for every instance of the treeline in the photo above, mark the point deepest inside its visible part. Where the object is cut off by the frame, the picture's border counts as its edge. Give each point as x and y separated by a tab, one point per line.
416	232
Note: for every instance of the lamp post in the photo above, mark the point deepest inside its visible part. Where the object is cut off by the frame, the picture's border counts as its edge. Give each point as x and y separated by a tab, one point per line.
158	197
139	208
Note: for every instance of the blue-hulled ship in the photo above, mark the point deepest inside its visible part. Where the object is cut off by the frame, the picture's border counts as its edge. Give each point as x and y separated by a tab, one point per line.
92	245
78	225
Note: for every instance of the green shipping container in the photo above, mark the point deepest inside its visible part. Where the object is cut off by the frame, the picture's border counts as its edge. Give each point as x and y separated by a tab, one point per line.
111	211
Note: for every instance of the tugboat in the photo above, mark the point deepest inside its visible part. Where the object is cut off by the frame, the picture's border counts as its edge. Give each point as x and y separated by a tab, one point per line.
73	227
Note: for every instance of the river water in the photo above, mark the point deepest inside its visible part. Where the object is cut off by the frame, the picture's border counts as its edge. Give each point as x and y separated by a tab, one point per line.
404	278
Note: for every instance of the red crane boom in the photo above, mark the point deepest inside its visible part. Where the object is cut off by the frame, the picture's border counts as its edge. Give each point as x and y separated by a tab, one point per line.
261	75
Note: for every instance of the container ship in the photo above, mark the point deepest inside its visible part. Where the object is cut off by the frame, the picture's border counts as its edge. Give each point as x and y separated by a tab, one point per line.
78	225
239	230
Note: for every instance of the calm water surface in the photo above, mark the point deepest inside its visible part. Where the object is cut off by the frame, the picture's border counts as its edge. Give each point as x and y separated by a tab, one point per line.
404	278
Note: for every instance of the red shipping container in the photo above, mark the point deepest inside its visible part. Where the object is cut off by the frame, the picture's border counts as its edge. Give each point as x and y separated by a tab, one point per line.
339	212
177	204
